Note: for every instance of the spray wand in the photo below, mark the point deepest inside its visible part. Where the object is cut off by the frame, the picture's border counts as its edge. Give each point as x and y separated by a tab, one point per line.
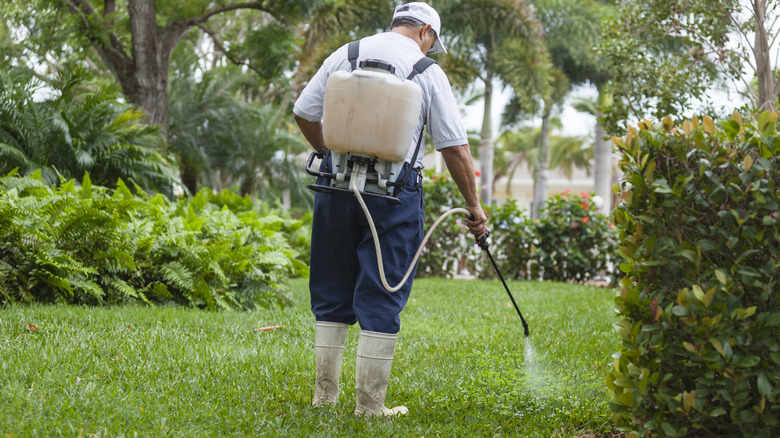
483	243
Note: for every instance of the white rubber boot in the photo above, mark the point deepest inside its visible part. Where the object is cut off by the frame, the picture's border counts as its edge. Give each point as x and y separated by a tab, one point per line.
374	361
329	340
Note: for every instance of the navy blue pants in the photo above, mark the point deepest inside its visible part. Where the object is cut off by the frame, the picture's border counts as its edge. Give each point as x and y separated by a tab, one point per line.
344	279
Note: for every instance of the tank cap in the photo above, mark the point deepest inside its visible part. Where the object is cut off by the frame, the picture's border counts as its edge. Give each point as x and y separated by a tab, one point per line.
377	64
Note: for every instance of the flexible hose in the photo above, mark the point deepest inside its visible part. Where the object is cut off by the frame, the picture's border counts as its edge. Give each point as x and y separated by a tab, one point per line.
353	187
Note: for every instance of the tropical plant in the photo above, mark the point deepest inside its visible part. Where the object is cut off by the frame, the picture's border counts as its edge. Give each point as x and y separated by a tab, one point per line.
135	41
698	304
227	141
80	126
481	33
568	64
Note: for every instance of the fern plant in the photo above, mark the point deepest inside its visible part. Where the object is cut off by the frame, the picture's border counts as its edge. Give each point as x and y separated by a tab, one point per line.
87	244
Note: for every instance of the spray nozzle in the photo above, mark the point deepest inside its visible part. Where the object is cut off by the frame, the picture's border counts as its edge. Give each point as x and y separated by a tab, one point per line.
483	243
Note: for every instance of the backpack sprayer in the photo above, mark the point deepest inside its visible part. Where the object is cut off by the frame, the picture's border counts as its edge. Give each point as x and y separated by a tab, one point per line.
360	107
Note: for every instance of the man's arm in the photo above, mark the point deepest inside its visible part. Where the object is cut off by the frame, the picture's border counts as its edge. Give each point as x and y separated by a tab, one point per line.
458	159
312	131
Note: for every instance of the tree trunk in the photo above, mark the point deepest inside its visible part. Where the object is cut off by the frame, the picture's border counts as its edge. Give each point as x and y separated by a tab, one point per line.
766	85
148	85
189	177
247	186
602	168
542	163
486	143
602	155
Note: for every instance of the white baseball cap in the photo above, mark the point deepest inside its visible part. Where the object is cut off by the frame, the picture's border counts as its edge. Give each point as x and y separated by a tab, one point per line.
425	13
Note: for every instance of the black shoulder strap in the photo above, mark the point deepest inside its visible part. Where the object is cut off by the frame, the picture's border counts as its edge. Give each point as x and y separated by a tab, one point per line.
352	53
420	66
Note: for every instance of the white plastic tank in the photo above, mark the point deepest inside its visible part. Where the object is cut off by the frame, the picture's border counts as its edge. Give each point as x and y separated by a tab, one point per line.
370	113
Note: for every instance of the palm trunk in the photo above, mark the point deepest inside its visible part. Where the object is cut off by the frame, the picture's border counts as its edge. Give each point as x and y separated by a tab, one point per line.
542	163
486	143
602	157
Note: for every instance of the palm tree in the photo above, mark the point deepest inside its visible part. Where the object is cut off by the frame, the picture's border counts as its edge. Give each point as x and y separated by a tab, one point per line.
82	127
200	112
257	155
228	141
477	32
565	22
522	146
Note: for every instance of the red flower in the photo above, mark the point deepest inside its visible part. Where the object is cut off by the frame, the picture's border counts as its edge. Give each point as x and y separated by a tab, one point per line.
477	173
584	204
585	194
585	219
565	192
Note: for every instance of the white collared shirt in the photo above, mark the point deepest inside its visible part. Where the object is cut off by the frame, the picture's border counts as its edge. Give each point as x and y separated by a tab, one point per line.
444	124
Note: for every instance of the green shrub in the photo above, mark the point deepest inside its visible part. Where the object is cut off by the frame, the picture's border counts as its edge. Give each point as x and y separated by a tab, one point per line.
85	244
698	304
572	242
450	242
511	241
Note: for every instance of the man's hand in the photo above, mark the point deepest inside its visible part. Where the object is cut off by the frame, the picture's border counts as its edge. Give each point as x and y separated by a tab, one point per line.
477	226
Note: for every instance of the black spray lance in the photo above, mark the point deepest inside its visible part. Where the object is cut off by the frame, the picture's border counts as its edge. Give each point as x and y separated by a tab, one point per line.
483	243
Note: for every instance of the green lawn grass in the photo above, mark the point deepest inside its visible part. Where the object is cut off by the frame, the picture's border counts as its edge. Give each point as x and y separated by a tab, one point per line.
463	368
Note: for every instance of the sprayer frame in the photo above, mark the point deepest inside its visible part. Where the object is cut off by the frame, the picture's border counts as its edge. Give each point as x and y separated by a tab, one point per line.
347	176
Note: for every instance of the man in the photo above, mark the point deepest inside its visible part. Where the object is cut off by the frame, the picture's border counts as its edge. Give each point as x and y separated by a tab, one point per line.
344	281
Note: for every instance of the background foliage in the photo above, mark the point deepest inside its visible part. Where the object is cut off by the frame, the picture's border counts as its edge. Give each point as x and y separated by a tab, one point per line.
698	305
73	124
85	244
569	242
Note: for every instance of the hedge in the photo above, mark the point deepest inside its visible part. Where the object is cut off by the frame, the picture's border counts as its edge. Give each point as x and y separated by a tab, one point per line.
698	305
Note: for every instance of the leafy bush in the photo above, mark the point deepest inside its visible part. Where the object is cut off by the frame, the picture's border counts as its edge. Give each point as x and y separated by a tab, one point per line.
90	245
511	241
572	242
698	305
448	245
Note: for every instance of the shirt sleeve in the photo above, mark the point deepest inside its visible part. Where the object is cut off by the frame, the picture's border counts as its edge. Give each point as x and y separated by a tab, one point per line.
444	124
309	103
